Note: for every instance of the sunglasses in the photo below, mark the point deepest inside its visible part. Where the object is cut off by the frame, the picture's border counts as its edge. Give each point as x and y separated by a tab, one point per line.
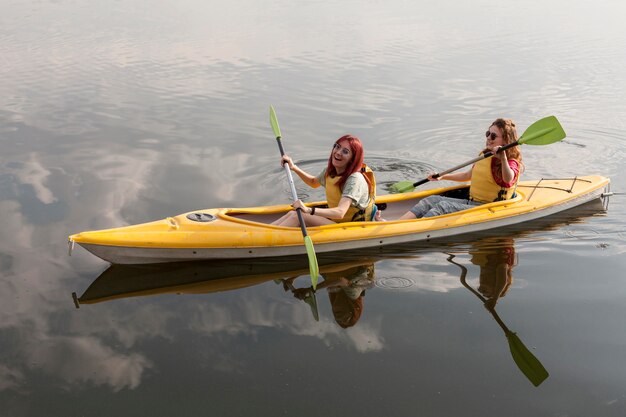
491	135
344	151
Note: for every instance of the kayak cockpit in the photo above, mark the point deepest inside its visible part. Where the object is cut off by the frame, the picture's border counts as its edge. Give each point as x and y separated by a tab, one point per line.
392	206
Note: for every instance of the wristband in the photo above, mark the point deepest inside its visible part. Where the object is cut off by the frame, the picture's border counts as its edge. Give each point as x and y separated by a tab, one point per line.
313	211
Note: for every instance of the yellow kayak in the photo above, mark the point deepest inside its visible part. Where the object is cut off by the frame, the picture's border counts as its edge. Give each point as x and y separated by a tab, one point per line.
237	233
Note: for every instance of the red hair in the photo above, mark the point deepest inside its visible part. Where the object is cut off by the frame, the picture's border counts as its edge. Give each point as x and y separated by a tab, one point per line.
355	164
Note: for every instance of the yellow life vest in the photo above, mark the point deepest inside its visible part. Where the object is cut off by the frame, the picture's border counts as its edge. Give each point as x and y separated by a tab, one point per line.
354	214
484	188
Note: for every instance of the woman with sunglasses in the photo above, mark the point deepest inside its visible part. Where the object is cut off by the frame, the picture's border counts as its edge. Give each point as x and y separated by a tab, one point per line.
349	184
492	179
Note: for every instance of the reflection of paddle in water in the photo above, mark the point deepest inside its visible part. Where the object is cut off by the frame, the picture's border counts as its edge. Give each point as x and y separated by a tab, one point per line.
524	359
308	295
346	289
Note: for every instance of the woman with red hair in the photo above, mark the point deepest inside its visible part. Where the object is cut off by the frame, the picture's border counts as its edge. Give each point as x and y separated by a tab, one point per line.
349	185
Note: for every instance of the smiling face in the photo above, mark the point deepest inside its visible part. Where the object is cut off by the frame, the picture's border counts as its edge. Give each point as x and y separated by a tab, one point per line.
493	137
506	133
341	156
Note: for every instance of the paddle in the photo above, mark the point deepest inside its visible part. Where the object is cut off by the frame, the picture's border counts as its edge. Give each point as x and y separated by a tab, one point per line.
308	243
525	361
543	132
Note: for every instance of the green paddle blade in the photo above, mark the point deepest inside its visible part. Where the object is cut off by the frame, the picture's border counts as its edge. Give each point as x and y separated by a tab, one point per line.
543	132
274	122
401	187
313	268
312	302
526	361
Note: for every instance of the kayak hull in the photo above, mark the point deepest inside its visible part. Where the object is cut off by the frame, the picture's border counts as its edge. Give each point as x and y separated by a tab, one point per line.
245	232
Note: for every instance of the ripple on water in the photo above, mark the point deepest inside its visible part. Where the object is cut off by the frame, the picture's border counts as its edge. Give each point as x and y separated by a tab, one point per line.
388	171
394	283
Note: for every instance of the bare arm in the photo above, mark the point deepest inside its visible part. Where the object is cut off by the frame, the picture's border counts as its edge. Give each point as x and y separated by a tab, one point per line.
308	179
456	176
334	213
508	175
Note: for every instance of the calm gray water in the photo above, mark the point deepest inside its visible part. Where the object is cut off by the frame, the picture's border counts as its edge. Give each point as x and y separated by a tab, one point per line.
114	113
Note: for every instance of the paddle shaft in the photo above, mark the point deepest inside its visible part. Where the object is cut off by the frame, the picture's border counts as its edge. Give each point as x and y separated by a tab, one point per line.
294	194
479	295
478	158
484	300
308	243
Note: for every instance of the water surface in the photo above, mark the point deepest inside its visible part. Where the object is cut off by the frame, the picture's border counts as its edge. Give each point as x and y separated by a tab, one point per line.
125	112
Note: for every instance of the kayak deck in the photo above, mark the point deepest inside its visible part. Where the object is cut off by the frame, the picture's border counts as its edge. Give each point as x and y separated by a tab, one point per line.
231	233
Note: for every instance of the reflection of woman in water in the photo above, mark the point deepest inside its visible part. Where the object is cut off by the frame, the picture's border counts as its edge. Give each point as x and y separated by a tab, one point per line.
496	265
346	289
496	260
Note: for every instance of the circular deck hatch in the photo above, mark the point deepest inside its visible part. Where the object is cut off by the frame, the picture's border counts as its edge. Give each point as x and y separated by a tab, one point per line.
201	217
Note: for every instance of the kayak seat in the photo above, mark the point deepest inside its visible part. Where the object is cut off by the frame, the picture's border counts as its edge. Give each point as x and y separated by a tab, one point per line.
463	193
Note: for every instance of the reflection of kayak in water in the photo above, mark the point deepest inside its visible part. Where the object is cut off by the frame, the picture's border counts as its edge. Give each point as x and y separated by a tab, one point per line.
121	281
246	233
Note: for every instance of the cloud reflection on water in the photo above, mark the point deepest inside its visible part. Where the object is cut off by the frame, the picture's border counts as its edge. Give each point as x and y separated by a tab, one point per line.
79	359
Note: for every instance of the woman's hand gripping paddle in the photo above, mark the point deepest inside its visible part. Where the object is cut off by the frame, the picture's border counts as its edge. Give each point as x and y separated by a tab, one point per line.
308	243
543	132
